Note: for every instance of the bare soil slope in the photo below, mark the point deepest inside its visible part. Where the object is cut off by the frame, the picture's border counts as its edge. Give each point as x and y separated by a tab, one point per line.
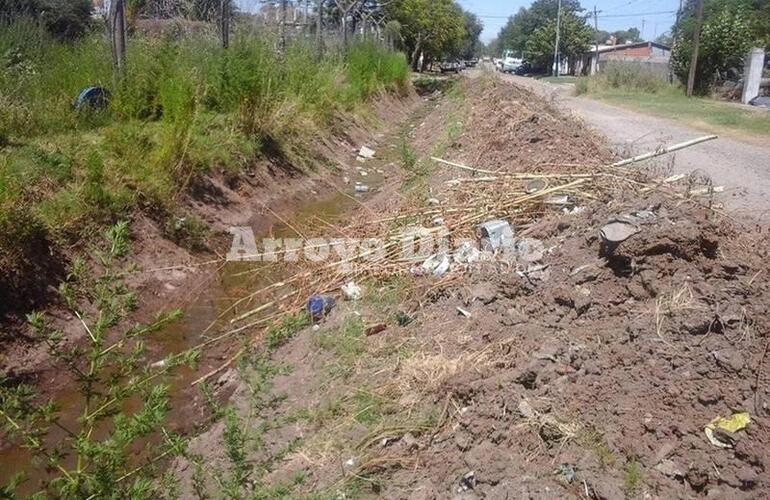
591	375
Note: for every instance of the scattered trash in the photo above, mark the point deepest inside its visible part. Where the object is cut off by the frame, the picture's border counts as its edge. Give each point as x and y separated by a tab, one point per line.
618	231
318	306
761	101
375	329
350	462
462	311
363	173
159	364
366	153
351	291
387	440
316	328
526	410
535	185
643	214
567	471
574	210
557	199
438	221
361	188
467	482
92	98
495	234
719	431
433	201
403	319
346	179
466	254
436	264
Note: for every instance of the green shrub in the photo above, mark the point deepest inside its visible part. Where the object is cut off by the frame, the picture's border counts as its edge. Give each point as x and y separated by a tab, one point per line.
625	76
631	76
581	86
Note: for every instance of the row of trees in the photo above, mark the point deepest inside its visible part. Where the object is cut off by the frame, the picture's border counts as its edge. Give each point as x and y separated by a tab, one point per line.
531	32
435	29
426	30
730	28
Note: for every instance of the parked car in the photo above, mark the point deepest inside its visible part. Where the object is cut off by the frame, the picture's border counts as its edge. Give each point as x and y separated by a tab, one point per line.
524	69
471	63
450	66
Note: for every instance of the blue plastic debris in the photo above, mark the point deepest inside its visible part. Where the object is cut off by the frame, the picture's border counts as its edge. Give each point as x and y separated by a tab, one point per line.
92	98
318	306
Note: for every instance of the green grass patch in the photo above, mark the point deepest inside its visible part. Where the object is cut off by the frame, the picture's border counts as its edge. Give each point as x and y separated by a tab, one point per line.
289	326
182	107
632	478
346	343
370	408
594	440
646	92
561	80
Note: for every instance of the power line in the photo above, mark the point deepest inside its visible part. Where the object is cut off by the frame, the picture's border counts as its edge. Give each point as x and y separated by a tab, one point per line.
638	14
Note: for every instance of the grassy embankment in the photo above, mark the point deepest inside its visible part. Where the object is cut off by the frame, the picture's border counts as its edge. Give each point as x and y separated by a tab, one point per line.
622	85
181	108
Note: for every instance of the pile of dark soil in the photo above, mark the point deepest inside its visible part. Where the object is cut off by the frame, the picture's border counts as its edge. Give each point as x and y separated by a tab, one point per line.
632	354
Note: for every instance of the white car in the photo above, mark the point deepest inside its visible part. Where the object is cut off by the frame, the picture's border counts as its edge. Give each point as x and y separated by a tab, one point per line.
510	65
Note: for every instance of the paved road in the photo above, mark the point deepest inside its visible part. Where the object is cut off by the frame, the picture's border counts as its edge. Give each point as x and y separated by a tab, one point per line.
742	167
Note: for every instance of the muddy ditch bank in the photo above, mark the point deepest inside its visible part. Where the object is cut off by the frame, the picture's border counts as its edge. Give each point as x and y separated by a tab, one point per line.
594	377
267	198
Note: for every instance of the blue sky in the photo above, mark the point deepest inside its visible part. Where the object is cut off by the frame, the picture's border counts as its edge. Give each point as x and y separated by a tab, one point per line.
620	14
614	15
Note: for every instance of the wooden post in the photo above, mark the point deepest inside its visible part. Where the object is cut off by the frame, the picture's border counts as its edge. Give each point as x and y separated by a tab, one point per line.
282	28
695	44
224	18
595	66
118	34
319	35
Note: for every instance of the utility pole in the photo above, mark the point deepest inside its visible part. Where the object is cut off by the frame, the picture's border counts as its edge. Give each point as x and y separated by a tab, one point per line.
118	34
556	45
224	18
282	28
319	35
695	46
642	33
595	68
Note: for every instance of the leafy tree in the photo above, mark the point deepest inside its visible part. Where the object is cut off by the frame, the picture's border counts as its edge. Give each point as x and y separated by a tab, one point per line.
621	36
472	46
520	27
574	39
726	36
665	39
433	28
64	19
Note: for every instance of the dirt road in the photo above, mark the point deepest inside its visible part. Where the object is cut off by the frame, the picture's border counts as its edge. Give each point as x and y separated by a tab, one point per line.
743	168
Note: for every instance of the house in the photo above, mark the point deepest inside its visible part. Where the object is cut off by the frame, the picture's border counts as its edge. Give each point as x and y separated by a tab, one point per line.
652	54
